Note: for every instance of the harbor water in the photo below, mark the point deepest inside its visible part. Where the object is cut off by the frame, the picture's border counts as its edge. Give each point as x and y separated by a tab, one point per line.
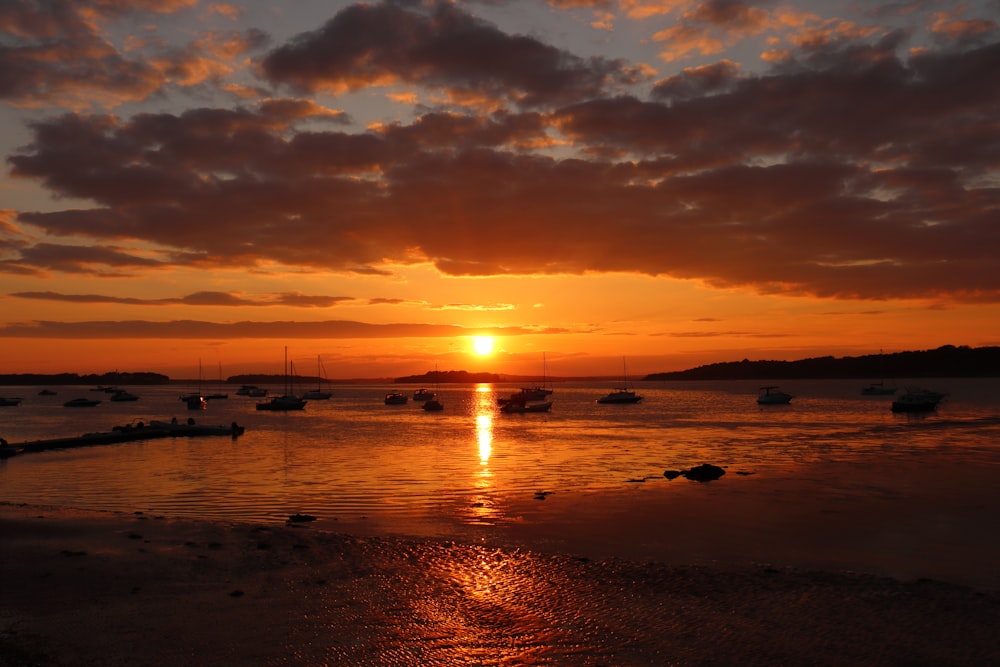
470	471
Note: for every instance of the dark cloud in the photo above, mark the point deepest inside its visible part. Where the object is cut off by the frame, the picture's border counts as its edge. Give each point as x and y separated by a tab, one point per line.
828	175
194	329
196	299
443	47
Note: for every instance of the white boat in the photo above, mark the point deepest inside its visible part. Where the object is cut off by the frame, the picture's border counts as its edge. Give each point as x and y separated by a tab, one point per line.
318	394
285	402
915	399
622	394
773	396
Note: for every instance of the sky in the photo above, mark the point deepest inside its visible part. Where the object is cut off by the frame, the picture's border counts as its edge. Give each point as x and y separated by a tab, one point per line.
577	185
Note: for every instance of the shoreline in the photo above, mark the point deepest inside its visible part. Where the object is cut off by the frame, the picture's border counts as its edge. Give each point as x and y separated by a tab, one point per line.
87	587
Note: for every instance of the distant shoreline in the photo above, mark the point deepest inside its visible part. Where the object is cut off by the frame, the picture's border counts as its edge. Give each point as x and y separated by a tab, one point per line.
943	362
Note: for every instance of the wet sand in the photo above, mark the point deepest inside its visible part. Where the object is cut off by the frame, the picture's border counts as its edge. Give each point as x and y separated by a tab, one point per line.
89	588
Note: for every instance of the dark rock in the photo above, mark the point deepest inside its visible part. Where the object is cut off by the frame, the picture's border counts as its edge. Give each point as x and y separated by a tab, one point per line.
671	474
706	472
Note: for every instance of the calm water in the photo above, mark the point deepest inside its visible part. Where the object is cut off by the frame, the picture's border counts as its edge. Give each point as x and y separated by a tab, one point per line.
353	457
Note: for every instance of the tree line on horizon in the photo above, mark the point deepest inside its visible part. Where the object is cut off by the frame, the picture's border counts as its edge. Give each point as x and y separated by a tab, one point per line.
945	361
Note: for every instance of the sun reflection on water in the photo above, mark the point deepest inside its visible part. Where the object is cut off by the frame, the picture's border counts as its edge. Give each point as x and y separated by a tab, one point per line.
484	510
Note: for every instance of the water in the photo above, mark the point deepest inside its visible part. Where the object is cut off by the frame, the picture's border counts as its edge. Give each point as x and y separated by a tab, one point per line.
354	460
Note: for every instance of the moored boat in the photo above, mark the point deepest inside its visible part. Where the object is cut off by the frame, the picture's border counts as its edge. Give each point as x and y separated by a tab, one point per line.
515	407
772	395
251	390
81	403
121	395
395	398
915	399
10	402
623	394
433	405
423	395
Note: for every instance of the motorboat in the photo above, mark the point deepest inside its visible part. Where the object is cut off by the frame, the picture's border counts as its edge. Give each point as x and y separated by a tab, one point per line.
423	395
121	395
915	399
773	396
396	398
251	390
515	407
81	403
10	402
46	392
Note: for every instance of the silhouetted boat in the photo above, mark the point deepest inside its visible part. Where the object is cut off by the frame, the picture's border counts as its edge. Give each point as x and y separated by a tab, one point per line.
81	403
395	398
623	394
10	402
773	396
433	405
121	395
878	389
285	402
423	395
318	394
46	392
251	390
516	407
915	399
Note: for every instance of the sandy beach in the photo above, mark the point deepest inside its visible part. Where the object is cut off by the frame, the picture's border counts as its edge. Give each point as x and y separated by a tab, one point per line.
131	588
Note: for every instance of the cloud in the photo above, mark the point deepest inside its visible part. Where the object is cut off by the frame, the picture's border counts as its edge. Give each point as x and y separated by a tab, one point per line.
440	46
199	330
827	174
229	299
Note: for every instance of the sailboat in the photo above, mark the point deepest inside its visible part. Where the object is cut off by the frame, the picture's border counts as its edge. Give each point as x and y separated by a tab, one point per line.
432	404
195	401
318	394
537	393
878	388
286	401
623	394
219	394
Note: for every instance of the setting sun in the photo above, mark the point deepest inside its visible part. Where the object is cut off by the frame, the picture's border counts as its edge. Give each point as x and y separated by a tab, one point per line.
482	345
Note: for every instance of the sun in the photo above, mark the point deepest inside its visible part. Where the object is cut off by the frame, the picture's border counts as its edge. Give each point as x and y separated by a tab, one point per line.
482	345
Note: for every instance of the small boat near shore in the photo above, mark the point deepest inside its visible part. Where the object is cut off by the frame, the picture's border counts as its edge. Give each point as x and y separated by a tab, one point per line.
10	402
623	394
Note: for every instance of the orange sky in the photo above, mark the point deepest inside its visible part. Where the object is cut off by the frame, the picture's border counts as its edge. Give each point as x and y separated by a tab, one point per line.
676	183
